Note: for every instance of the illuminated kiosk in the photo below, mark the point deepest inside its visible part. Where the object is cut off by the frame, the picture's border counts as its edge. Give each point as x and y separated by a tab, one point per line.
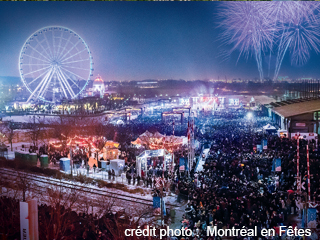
154	141
147	157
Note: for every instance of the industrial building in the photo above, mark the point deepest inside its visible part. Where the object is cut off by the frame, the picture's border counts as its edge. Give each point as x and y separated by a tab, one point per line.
297	117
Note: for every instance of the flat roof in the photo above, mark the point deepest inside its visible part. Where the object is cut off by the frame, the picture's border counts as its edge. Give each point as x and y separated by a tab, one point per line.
263	99
297	108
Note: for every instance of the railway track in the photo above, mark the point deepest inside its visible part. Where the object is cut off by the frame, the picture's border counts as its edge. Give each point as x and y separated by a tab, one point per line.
43	182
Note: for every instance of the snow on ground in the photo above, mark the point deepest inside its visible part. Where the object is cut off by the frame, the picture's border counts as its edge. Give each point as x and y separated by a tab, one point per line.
18	147
85	202
202	160
103	177
27	118
96	175
30	117
170	199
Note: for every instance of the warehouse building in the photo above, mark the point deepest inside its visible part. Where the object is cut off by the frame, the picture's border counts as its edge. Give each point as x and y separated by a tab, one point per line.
297	117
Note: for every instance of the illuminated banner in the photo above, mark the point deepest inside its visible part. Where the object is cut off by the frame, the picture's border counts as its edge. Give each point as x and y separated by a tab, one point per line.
182	164
278	165
312	218
156	202
259	148
264	144
157	205
155	153
24	221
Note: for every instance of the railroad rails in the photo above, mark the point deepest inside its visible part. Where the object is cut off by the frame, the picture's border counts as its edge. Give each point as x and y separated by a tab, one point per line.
41	182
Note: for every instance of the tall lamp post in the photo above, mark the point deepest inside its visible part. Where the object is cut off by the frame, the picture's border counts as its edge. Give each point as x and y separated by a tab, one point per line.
71	161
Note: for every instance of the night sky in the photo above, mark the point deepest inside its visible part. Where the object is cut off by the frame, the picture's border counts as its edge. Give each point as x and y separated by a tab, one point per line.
137	40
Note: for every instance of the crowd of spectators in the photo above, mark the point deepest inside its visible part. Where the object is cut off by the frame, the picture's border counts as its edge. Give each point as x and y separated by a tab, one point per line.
237	187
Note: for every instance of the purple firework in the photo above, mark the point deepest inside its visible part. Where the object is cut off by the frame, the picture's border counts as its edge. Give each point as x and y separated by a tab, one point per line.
296	30
255	28
247	29
301	37
282	12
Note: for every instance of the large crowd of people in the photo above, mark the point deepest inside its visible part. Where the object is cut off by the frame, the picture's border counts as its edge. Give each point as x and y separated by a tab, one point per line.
237	187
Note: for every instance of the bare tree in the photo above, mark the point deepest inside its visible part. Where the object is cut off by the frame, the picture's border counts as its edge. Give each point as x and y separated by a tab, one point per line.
7	129
67	127
99	144
2	132
11	190
95	209
58	217
128	218
9	222
36	127
23	183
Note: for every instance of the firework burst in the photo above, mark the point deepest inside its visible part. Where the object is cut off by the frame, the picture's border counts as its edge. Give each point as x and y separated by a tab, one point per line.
247	29
256	28
298	32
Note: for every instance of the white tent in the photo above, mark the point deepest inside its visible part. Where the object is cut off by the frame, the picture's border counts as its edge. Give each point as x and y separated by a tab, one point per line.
117	165
269	127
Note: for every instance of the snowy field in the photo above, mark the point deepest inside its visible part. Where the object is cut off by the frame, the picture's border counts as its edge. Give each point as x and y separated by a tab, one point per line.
42	117
28	118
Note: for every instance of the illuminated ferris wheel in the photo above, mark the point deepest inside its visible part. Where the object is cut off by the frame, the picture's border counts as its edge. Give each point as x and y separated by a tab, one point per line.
55	63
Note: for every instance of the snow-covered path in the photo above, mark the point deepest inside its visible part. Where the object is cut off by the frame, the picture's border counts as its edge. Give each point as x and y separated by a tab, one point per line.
202	160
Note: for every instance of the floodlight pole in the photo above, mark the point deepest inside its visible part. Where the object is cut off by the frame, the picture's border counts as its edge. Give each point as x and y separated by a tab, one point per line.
190	142
298	156
71	162
161	204
308	164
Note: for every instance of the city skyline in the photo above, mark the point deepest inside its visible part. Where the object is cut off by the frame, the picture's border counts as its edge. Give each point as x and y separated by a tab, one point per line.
137	41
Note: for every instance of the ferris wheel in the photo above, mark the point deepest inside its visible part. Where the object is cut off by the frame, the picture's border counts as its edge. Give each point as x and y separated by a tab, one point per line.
55	63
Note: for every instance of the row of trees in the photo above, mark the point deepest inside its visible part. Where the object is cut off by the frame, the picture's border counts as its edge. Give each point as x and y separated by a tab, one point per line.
40	129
